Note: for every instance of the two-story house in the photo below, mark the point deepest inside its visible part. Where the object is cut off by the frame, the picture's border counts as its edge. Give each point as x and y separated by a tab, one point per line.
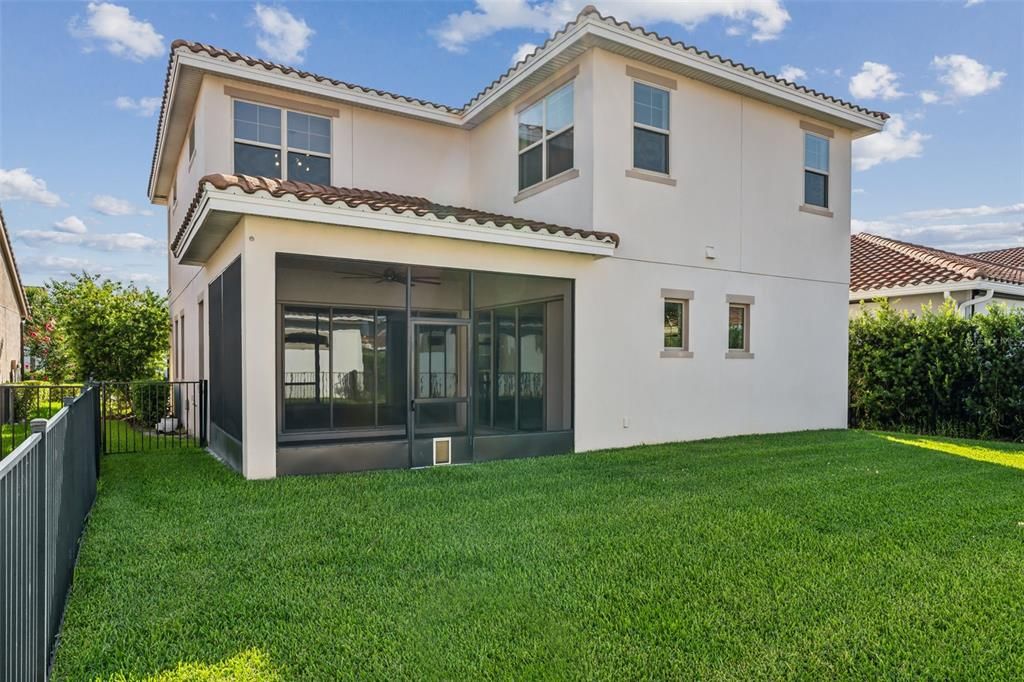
621	240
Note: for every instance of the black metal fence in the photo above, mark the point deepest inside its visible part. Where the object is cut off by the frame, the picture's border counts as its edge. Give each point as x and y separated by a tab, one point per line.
47	488
136	416
21	403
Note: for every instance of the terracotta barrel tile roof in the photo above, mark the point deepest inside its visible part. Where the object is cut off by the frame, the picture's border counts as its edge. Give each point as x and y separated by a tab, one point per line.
588	11
1013	258
653	36
883	263
376	201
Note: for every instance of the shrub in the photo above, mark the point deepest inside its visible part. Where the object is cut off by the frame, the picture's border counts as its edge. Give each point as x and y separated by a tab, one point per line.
938	372
149	401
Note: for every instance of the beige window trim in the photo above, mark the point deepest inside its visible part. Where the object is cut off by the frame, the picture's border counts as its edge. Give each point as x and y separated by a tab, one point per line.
652	78
650	176
738	355
547	89
564	176
678	294
739	299
816	210
817	129
282	102
676	353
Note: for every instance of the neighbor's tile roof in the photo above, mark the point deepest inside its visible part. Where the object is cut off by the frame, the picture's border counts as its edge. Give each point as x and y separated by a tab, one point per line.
376	201
588	11
1013	258
884	263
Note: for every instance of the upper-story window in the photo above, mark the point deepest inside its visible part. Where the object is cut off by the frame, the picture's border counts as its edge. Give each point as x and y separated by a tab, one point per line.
815	170
260	146
650	128
191	140
545	137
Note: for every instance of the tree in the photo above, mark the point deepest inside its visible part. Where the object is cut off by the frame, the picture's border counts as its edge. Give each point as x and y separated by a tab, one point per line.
113	332
45	339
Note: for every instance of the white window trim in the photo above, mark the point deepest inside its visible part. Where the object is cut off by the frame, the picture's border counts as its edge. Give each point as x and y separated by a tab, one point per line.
747	303
638	173
545	137
684	297
814	208
283	148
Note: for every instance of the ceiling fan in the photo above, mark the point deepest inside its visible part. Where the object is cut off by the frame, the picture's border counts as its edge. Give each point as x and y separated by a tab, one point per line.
392	276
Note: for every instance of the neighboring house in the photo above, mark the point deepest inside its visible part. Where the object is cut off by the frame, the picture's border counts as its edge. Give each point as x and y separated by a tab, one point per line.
13	310
677	268
911	276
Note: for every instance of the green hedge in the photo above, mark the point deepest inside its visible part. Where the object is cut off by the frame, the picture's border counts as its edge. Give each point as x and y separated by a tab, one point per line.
150	400
936	372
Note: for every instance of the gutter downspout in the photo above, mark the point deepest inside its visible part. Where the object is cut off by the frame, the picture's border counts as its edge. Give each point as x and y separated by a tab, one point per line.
975	302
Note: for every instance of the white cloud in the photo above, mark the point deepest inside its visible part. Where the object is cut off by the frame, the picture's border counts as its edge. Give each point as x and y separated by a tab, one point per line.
875	81
958	238
966	77
282	37
766	18
72	224
143	106
972	3
895	142
859	190
969	212
734	31
928	96
123	34
118	241
108	205
63	264
522	52
792	74
18	183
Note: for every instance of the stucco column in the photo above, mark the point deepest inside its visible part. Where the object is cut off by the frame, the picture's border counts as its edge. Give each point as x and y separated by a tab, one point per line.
259	438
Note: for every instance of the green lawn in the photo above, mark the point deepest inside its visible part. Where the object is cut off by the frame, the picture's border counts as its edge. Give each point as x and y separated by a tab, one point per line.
810	555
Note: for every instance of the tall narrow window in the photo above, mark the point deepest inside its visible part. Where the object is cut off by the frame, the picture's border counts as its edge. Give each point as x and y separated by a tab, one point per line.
309	148
739	327
650	128
815	170
675	325
546	137
191	140
257	140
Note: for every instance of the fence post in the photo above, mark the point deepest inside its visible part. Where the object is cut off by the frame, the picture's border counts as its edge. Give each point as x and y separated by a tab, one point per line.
203	396
43	606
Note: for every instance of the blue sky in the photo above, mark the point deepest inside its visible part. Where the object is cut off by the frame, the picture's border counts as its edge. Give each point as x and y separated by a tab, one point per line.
80	85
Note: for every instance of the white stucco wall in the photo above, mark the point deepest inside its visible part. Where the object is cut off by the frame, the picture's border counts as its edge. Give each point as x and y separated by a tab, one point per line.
737	166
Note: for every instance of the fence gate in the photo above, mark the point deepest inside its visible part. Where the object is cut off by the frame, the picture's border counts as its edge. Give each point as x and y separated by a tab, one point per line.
136	416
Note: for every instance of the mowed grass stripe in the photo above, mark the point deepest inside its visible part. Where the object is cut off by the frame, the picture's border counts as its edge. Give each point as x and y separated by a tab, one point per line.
839	554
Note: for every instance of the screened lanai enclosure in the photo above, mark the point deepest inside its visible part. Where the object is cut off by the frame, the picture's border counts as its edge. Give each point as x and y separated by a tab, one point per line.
384	365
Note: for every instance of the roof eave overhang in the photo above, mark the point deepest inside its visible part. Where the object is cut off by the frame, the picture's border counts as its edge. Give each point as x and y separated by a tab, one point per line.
937	288
219	211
